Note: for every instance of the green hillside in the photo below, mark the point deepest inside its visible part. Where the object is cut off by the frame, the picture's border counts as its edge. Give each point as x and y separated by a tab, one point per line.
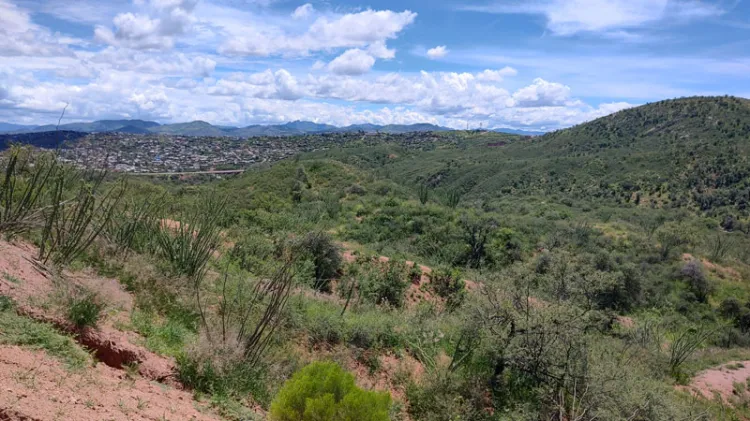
685	153
588	274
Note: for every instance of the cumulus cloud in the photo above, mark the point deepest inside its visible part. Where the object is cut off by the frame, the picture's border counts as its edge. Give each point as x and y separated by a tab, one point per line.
380	50
167	19
541	94
352	62
172	64
353	30
437	52
303	11
19	36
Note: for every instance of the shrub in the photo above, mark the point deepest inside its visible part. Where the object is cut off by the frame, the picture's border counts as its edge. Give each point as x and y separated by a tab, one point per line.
84	308
424	193
386	286
71	224
356	189
697	280
188	246
325	256
447	283
324	391
23	182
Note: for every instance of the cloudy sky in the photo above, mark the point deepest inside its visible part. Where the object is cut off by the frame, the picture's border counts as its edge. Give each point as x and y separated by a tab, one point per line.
530	64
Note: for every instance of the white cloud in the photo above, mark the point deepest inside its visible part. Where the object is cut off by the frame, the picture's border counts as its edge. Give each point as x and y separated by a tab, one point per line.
167	19
354	30
352	62
303	11
541	94
437	52
569	17
19	36
380	50
496	75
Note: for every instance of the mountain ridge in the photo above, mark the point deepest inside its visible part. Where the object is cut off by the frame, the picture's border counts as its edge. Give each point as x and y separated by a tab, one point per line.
203	128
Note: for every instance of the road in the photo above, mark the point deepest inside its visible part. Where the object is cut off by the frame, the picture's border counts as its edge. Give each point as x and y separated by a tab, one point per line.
186	173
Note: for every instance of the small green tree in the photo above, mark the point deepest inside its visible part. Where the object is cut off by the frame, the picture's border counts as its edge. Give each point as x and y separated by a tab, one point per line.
323	391
424	193
325	255
387	285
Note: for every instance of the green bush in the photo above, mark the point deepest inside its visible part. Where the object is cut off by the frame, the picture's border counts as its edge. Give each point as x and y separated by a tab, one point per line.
323	391
325	255
386	286
447	284
84	308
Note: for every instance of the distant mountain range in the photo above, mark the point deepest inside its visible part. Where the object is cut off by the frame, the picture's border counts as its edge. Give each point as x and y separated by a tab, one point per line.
519	132
202	128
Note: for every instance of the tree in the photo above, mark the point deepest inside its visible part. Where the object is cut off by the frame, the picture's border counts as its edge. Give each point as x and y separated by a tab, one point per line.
325	256
697	280
476	233
323	391
671	236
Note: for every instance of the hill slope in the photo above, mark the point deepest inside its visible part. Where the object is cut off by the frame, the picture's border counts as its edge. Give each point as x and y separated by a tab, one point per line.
690	152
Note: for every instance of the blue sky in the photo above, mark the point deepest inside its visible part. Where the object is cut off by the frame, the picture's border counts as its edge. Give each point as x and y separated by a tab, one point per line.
534	64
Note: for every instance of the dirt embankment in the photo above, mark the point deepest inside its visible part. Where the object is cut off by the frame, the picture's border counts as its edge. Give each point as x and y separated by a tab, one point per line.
123	386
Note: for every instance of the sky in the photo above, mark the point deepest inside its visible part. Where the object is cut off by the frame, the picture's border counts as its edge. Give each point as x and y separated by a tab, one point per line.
522	64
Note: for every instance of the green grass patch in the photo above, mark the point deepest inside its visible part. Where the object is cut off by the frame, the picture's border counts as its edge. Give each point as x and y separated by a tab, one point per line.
22	331
163	336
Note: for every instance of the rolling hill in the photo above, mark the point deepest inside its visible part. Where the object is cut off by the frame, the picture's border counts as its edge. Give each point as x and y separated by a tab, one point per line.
689	152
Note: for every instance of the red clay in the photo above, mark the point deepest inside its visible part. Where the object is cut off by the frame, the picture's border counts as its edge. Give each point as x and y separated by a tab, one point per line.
35	387
721	381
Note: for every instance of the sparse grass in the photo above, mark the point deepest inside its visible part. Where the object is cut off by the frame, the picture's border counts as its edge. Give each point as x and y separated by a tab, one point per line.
10	278
22	331
734	366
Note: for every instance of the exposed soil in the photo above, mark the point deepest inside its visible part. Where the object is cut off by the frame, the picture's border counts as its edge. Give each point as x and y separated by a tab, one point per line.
21	277
110	346
722	272
35	387
720	381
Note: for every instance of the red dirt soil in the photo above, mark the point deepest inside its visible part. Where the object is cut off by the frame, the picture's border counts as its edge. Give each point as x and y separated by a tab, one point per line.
99	393
721	381
35	387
